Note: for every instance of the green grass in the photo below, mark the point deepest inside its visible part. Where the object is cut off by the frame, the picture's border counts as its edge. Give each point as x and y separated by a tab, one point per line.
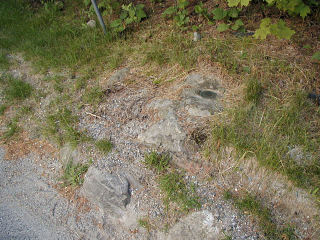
16	89
12	129
104	145
93	96
61	127
267	133
171	183
144	222
156	161
176	190
251	205
253	91
52	37
3	108
4	63
73	174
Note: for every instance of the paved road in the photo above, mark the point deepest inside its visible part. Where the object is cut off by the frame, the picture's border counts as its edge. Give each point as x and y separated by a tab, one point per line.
27	203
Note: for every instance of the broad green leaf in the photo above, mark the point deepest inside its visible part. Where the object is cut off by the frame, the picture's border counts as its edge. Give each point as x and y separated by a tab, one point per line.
223	27
233	13
86	2
141	14
244	3
270	1
316	56
281	30
169	11
116	23
238	24
182	4
264	29
219	13
233	3
303	10
123	15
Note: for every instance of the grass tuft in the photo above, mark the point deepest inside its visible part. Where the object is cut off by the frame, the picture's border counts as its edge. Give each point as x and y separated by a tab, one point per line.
104	146
93	96
12	129
156	161
176	190
144	222
3	108
61	126
253	91
17	89
73	174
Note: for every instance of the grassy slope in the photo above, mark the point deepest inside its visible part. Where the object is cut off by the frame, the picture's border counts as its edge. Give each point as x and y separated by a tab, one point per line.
271	116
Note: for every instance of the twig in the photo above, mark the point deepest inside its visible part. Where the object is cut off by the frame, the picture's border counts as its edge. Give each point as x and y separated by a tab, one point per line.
91	114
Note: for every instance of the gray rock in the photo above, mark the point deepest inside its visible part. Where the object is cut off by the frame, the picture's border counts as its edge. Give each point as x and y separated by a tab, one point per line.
109	191
201	82
201	98
299	156
117	78
166	133
196	36
91	23
196	226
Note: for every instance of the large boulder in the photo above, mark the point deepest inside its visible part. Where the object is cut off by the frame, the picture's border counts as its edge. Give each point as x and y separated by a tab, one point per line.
109	191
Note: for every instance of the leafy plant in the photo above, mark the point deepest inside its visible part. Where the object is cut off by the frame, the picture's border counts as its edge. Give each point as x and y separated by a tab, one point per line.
130	14
227	15
278	29
179	13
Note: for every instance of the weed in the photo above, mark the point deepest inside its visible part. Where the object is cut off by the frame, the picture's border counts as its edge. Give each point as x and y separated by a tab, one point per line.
156	161
176	190
17	89
3	108
253	91
73	174
104	145
144	222
93	96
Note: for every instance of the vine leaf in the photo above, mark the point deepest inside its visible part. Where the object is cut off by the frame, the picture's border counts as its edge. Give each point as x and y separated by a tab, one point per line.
234	3
264	29
281	30
219	14
223	27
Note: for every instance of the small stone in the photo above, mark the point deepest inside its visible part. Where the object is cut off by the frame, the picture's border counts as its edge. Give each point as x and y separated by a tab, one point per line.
91	23
196	36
